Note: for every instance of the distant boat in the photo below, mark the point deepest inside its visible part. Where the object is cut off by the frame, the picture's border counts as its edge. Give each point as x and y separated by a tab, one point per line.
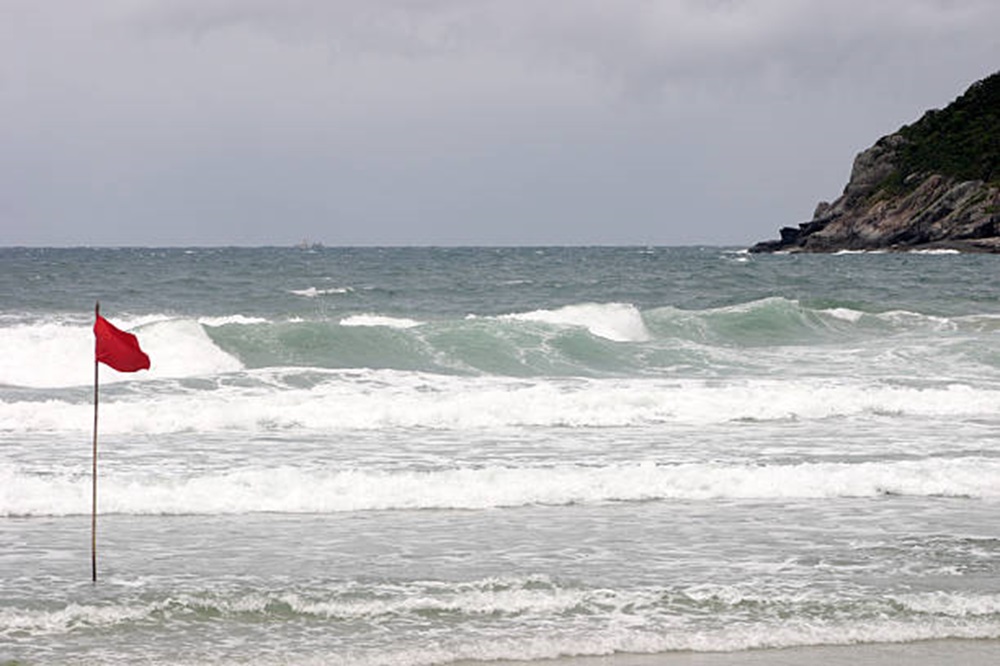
306	244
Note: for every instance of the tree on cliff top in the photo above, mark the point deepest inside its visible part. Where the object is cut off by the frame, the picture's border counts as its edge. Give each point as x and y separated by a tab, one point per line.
962	140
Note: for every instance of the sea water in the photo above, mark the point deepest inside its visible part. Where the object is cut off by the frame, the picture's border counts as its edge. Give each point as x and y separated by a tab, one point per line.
422	455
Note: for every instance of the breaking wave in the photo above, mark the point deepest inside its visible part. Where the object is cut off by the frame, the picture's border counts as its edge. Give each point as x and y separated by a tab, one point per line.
587	339
589	621
60	354
336	401
295	490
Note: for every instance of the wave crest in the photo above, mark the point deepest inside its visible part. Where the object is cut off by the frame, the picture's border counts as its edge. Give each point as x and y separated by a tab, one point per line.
59	354
619	322
294	490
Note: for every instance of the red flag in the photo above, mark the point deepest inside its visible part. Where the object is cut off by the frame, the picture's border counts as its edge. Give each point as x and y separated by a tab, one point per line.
118	349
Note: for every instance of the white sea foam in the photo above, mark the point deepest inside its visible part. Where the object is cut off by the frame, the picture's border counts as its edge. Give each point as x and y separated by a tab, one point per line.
43	622
777	308
910	319
624	637
47	354
935	251
951	604
550	619
379	320
563	637
313	292
535	595
181	348
621	322
352	400
623	634
489	597
231	319
54	354
590	621
846	314
297	490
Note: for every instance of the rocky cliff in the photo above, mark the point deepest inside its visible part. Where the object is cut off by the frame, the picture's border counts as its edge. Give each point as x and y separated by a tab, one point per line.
932	184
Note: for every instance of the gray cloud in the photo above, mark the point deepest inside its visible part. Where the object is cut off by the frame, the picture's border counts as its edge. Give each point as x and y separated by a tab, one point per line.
448	121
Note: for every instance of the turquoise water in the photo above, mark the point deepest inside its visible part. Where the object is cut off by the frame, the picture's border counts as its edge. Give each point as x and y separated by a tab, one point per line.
420	455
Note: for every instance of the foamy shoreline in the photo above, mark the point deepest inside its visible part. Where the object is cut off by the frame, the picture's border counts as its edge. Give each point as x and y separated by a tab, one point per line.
920	653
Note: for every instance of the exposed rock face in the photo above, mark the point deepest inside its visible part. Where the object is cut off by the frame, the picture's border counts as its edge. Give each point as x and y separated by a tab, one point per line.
886	205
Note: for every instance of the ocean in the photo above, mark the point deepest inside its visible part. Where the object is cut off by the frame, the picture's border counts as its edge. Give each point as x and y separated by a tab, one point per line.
419	456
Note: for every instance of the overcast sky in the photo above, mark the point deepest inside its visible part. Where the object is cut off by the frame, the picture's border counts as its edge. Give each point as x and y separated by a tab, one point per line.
457	122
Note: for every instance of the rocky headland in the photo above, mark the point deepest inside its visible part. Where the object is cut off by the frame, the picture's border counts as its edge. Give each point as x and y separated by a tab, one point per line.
933	184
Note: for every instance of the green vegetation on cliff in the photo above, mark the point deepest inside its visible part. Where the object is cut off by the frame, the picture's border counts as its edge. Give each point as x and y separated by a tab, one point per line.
962	140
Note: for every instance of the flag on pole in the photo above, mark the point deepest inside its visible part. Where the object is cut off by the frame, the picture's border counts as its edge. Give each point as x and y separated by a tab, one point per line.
121	351
118	349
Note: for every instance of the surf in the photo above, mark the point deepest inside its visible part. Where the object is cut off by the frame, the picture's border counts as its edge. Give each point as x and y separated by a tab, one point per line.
289	489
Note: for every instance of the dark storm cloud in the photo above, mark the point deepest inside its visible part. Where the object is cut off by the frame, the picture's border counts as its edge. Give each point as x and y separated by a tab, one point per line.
447	121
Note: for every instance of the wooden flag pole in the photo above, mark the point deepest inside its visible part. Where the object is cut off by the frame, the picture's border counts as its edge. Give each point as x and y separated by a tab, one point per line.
93	510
